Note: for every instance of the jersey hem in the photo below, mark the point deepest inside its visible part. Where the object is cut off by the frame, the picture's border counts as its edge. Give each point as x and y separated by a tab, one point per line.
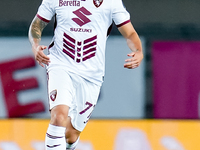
95	81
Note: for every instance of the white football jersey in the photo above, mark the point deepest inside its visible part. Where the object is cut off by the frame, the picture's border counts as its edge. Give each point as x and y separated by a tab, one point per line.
81	32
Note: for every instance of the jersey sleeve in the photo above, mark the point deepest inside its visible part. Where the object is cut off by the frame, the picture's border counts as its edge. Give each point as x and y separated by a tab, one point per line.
46	10
119	14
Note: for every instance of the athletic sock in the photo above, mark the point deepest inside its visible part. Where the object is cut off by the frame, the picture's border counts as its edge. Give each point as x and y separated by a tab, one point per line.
72	146
55	138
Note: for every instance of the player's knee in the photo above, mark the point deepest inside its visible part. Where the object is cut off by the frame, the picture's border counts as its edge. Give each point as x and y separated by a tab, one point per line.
59	119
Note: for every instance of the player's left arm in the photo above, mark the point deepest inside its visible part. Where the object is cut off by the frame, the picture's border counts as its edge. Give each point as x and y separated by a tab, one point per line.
35	33
134	43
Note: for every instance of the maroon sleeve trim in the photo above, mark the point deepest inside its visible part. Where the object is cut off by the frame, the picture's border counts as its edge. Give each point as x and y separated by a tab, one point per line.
119	25
43	19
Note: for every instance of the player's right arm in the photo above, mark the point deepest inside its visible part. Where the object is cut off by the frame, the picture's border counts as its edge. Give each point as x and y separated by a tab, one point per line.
35	33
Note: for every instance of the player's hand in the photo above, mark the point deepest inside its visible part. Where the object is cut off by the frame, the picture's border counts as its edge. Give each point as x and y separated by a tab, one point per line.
134	61
40	57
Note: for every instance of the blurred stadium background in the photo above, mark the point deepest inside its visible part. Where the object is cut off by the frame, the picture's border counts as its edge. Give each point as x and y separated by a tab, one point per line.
153	107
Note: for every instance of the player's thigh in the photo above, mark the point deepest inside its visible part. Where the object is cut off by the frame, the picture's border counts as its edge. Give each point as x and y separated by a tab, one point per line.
86	98
60	88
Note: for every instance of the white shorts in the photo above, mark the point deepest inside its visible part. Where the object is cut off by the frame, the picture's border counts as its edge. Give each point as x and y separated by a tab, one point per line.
66	88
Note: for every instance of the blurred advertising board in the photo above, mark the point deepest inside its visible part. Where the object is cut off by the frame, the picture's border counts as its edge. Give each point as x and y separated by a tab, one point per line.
23	83
29	134
176	79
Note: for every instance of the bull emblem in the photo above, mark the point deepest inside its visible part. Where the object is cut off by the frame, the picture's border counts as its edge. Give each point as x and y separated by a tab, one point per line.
97	3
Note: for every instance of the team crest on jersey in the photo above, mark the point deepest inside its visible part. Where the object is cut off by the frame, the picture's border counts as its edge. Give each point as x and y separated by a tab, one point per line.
97	3
53	95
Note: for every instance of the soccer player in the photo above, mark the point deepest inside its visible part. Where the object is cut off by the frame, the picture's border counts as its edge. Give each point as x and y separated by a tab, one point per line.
76	59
